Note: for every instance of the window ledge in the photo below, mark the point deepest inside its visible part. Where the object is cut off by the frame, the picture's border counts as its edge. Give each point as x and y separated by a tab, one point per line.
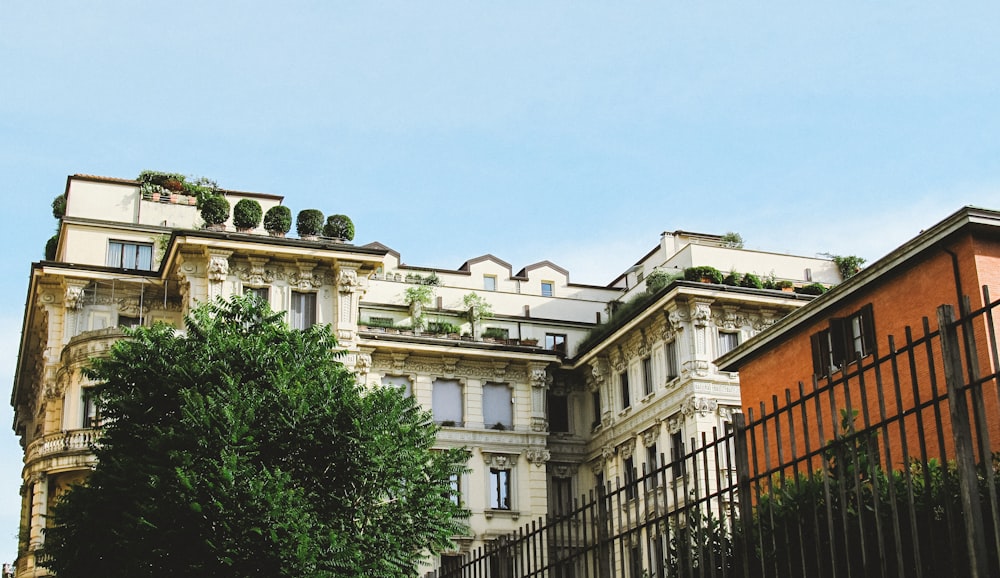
512	514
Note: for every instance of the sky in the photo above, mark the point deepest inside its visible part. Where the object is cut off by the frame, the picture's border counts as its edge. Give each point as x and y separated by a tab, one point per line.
574	132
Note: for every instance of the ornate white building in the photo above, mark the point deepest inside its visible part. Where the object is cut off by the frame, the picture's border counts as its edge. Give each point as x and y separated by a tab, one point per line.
545	411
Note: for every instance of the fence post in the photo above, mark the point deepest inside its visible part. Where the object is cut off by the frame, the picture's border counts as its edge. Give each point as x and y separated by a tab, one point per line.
743	490
965	461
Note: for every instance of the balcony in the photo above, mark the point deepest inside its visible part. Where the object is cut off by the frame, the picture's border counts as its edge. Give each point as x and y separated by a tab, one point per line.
62	443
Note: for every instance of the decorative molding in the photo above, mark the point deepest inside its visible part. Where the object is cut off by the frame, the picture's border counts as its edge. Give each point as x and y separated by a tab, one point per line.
347	280
73	297
627	449
700	405
674	423
650	436
539	376
701	312
500	368
537	457
500	461
218	265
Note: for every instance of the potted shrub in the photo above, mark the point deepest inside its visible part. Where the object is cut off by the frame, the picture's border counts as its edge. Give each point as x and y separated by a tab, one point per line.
733	279
703	274
656	280
278	220
215	212
785	285
247	215
309	224
339	227
812	289
752	281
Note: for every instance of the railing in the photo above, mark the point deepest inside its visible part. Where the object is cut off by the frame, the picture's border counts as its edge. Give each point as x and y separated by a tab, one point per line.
885	469
63	442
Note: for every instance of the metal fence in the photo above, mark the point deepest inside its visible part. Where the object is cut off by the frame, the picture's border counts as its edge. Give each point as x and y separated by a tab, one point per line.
884	468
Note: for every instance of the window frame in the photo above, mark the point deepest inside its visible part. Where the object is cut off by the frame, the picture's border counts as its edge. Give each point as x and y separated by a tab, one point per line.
648	385
562	403
555	342
505	418
437	397
845	340
138	257
625	393
486	282
724	337
551	289
303	319
671	364
501	494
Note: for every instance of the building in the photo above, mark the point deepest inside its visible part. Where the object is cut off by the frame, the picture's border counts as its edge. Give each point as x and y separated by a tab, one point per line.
847	337
551	394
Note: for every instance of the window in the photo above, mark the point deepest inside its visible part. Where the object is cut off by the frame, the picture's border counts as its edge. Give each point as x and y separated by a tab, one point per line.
670	355
498	408
490	282
451	563
647	376
262	293
844	341
677	453
91	409
500	489
128	321
303	314
562	495
126	255
635	561
555	342
596	398
547	288
456	489
623	385
630	479
446	402
400	382
728	341
558	413
651	465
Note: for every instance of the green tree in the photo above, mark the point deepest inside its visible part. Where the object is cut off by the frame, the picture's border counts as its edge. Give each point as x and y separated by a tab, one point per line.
245	448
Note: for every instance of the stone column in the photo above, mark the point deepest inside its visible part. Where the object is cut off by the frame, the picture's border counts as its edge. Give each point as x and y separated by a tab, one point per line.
350	288
39	509
218	271
540	381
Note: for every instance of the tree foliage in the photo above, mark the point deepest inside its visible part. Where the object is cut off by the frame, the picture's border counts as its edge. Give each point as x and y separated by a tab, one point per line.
244	448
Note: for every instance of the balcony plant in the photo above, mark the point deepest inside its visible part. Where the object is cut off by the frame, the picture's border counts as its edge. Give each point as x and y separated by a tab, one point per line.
247	215
278	220
59	206
477	309
417	298
339	227
309	224
784	285
752	281
215	212
656	280
812	289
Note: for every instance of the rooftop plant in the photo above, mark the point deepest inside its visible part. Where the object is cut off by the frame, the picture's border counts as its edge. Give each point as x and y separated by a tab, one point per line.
812	289
732	240
339	227
309	223
278	220
657	279
247	214
752	281
59	206
711	274
215	210
847	265
165	183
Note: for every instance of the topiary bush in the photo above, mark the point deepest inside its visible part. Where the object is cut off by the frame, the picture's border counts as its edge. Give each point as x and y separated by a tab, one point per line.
309	223
752	281
278	220
215	210
247	214
339	227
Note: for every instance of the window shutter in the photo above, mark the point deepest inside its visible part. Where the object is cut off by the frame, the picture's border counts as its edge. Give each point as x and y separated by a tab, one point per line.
868	329
817	354
838	340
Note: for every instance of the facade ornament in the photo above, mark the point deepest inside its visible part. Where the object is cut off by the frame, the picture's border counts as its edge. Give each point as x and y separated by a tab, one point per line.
700	405
364	363
765	319
399	360
598	374
627	449
730	318
650	436
499	461
726	412
500	369
597	466
255	274
538	457
347	280
539	377
562	470
701	312
218	265
674	424
450	365
539	424
608	453
73	297
304	279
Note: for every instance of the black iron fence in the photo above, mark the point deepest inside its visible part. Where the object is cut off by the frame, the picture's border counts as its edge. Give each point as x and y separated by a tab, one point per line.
884	468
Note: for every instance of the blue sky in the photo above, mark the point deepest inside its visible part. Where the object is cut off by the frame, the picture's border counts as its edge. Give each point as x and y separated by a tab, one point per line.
569	131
